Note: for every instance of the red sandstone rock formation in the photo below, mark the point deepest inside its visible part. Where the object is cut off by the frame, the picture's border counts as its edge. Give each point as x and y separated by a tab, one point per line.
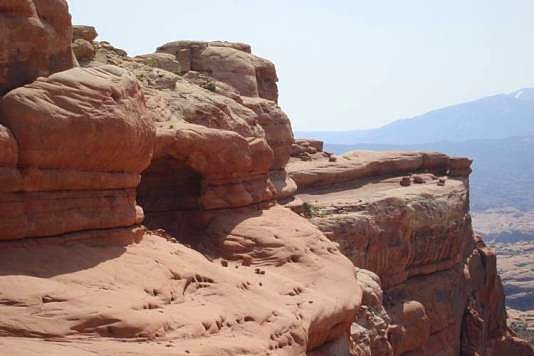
139	215
82	138
228	62
35	40
442	294
82	147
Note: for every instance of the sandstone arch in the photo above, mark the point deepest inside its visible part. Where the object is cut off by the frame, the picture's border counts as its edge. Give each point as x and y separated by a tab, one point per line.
169	193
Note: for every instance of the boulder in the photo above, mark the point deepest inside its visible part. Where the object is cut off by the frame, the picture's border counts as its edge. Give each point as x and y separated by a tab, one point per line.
406	181
90	119
410	328
87	33
35	40
83	50
163	61
227	62
277	127
419	179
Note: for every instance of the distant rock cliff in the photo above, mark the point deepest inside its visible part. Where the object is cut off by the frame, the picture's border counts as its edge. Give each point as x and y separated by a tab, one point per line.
405	217
146	208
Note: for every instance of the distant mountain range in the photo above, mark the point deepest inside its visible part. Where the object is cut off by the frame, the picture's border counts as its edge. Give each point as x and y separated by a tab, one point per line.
493	117
496	131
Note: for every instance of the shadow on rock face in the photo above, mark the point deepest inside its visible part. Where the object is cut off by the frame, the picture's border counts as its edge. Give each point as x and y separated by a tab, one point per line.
51	257
170	195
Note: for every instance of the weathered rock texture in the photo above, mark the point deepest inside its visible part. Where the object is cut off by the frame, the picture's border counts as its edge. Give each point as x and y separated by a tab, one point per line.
87	152
139	215
442	294
82	32
232	147
260	284
163	61
79	139
83	43
35	40
228	62
307	150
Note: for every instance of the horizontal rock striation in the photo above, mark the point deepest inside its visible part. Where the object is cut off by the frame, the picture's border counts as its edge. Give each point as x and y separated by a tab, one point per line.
82	137
138	204
266	280
405	217
139	214
362	164
394	231
228	62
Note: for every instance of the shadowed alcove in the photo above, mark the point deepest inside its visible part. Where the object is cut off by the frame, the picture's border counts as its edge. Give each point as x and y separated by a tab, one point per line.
169	194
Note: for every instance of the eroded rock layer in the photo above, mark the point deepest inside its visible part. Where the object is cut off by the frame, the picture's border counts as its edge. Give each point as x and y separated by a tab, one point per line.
139	214
405	217
82	138
266	281
35	40
197	153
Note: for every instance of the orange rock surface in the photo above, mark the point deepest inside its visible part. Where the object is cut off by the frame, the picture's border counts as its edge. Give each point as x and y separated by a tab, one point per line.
441	291
35	40
141	214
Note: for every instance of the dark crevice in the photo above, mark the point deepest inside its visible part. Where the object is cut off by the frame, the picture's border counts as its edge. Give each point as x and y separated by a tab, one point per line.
169	194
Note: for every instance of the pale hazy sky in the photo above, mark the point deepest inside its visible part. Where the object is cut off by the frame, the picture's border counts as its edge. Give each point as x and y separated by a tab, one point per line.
346	64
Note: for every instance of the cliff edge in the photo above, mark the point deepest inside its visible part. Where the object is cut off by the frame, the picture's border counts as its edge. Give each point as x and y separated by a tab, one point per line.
151	205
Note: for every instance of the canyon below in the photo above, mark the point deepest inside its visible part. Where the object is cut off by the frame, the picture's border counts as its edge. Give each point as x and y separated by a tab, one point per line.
161	205
501	185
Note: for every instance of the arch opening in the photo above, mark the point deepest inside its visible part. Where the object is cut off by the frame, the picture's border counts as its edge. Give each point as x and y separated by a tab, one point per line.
169	193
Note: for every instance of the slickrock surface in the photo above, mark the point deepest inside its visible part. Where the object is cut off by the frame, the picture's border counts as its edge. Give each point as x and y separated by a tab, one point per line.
140	214
361	164
91	153
265	286
441	291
